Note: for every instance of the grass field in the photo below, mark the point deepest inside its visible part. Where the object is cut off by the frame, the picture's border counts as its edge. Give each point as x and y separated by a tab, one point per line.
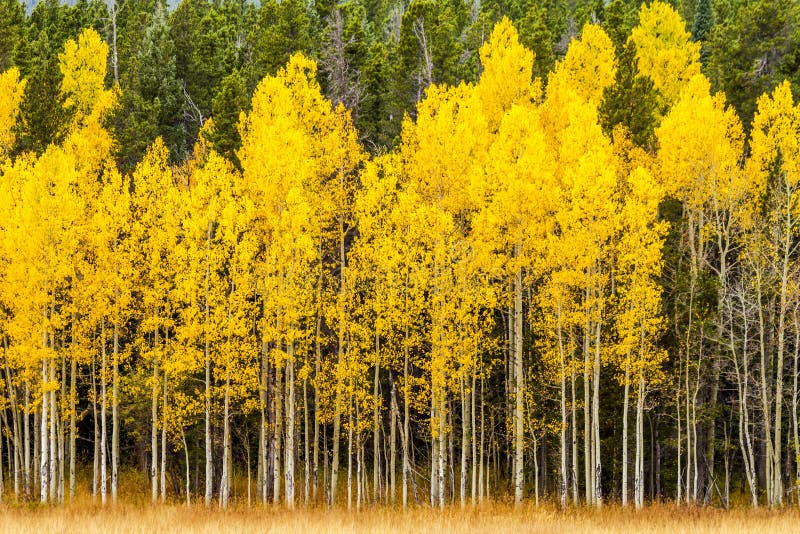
496	518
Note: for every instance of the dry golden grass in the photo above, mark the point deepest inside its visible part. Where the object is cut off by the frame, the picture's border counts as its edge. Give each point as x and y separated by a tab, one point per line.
497	518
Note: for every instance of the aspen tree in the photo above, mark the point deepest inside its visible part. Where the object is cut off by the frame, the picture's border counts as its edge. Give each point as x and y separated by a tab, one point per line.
389	254
664	49
202	288
83	65
154	232
12	88
292	142
110	227
22	286
505	82
519	212
584	168
40	265
774	166
699	163
639	300
443	153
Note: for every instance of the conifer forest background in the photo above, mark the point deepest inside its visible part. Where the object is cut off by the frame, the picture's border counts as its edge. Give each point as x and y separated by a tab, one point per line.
379	252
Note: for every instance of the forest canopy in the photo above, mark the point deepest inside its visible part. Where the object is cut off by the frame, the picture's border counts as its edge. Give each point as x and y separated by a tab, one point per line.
384	252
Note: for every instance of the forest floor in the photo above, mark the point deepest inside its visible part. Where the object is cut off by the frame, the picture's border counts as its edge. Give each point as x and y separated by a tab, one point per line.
490	519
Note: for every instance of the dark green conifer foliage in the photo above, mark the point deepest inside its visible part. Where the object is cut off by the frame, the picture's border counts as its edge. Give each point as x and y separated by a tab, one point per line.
631	101
282	28
703	22
231	99
754	51
375	120
12	32
618	23
152	100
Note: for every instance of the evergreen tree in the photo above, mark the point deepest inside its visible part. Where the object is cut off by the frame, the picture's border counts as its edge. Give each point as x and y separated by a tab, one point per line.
632	101
12	32
703	22
535	34
754	52
617	23
230	101
429	51
375	121
48	27
152	99
343	54
281	29
184	29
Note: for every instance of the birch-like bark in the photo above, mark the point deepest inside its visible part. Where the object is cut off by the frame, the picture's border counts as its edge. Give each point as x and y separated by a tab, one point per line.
163	474
625	400
154	427
563	432
277	435
209	459
519	392
406	419
639	461
290	452
114	419
224	483
394	416
103	417
376	463
43	455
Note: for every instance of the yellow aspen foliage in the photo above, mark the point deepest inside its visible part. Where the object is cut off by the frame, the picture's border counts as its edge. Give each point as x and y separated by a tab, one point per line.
109	225
83	65
578	263
12	89
520	208
701	148
40	242
389	254
575	90
292	141
290	117
639	263
507	76
377	258
298	155
664	49
24	279
154	228
775	134
588	67
443	151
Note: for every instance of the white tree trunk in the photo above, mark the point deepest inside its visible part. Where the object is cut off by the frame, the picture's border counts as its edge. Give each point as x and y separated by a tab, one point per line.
103	417
519	392
625	400
114	419
43	455
289	454
224	483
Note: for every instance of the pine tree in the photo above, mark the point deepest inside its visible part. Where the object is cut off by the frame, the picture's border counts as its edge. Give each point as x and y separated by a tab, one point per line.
12	22
230	101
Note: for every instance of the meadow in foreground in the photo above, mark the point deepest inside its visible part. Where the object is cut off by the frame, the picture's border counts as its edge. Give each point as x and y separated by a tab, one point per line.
495	518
